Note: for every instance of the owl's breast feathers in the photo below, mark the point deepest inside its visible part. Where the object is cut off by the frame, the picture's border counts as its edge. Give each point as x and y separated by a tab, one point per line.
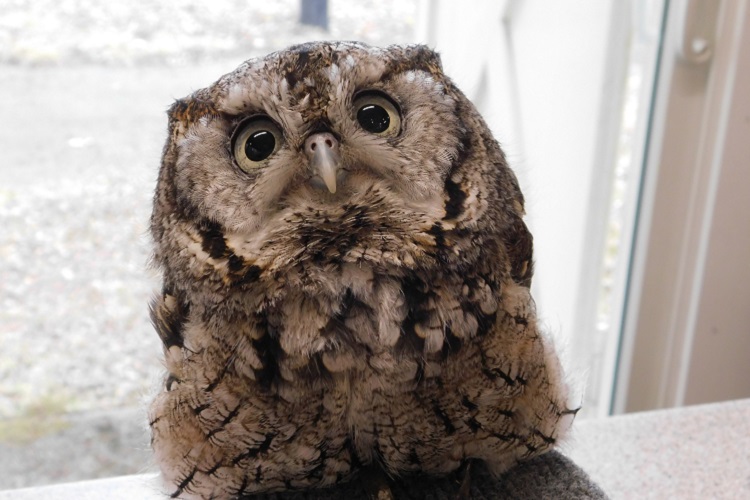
342	358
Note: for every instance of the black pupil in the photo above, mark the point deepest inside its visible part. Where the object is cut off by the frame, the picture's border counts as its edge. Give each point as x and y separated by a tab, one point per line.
373	118
260	145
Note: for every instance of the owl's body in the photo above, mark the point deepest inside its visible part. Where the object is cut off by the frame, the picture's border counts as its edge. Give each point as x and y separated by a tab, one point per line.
346	276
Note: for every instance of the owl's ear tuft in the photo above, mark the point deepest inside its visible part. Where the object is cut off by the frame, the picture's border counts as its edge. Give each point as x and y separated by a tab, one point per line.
190	110
424	56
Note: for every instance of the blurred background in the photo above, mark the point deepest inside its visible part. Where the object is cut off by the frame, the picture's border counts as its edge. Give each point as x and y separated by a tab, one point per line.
626	122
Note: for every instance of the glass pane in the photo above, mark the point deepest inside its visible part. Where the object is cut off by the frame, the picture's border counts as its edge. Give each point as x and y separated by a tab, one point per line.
85	89
605	328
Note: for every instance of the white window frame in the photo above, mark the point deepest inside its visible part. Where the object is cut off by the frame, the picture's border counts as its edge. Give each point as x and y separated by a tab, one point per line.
696	179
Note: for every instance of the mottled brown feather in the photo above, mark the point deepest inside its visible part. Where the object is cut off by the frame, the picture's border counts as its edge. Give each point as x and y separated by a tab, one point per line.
309	335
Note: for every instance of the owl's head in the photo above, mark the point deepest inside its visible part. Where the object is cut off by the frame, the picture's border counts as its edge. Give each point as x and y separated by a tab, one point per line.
328	151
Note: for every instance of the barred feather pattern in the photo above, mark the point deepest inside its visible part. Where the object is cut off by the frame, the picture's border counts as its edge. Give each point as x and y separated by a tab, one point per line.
309	334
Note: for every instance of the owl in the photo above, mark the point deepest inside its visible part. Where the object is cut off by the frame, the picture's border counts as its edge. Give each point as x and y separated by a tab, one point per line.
346	278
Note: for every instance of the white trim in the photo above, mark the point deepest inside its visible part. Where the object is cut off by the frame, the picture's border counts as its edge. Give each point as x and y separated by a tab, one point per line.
721	95
585	339
692	106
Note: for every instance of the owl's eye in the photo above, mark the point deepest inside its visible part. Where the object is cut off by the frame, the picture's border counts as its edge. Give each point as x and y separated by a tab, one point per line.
255	140
378	114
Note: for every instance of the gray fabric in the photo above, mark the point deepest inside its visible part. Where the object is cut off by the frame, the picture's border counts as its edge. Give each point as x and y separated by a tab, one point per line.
551	475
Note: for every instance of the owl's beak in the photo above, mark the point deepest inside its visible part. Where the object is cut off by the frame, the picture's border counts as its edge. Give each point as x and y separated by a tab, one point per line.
322	150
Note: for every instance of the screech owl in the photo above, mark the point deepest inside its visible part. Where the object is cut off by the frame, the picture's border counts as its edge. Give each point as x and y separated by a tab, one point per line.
346	278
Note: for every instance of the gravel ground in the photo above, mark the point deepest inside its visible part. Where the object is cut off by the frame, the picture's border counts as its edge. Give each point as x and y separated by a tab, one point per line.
84	89
74	446
176	32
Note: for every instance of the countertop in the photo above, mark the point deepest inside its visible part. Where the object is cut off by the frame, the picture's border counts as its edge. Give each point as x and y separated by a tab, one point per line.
684	453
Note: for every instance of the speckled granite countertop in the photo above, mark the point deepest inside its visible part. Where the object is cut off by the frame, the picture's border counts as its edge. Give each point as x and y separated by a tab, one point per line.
685	453
700	452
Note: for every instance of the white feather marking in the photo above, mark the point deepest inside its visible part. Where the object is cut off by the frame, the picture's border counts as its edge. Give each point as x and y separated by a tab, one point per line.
234	101
334	73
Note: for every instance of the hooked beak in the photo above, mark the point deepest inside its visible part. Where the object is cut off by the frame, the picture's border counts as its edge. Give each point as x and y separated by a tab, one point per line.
322	150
